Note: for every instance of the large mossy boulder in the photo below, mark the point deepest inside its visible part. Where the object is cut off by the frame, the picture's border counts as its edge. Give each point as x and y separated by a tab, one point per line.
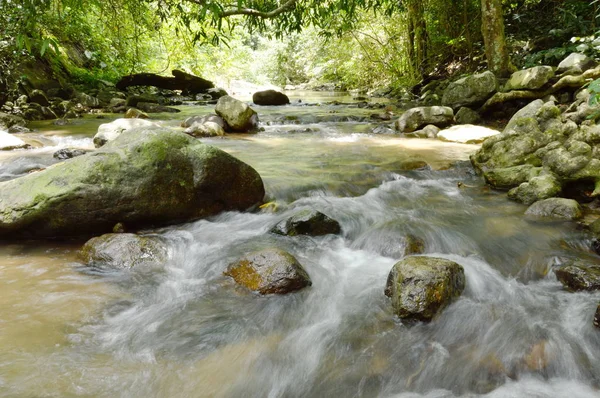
270	97
421	287
142	178
472	90
530	79
269	271
110	131
557	208
415	118
237	114
307	222
124	251
579	275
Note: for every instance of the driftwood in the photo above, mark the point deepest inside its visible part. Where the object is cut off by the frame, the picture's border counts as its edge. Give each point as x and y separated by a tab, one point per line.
188	84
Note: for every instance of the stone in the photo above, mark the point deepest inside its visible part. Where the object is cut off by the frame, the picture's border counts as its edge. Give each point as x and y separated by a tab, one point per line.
538	188
144	178
528	111
307	222
216	92
530	79
203	119
429	131
117	102
39	97
124	251
9	142
466	134
18	130
150	107
7	121
415	118
110	131
413	245
87	100
207	129
579	275
597	317
68	153
421	287
134	113
238	115
511	177
559	208
467	116
269	271
576	63
270	97
472	90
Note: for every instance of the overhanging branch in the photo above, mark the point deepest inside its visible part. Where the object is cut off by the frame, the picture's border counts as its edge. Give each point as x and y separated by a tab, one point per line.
285	7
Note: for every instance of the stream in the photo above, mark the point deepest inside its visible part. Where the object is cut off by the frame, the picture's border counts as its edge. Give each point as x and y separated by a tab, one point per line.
186	330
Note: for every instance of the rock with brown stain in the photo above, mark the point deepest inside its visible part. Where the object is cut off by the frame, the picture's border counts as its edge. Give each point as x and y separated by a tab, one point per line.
269	271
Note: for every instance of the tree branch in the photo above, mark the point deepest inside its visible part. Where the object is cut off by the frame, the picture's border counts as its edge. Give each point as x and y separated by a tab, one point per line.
285	7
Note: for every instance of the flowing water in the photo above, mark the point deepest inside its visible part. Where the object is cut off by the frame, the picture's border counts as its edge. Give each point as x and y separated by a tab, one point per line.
185	330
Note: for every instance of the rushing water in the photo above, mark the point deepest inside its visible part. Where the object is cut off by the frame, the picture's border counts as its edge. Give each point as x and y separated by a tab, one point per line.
187	331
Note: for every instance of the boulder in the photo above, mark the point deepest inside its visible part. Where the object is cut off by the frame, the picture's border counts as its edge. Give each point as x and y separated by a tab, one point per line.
117	102
134	100
467	116
307	222
134	113
576	63
579	275
471	90
560	208
39	97
269	271
207	129
150	107
7	121
466	133
270	97
123	251
143	178
238	115
87	100
9	142
216	92
415	118
68	153
203	119
536	189
530	79
429	131
109	131
528	111
421	287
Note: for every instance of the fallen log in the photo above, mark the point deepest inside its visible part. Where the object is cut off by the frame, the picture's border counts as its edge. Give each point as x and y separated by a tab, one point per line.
188	84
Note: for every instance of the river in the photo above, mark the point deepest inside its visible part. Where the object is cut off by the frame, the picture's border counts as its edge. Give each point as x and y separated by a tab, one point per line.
185	330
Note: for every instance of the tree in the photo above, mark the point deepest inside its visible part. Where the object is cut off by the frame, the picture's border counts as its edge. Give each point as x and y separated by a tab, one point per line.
492	29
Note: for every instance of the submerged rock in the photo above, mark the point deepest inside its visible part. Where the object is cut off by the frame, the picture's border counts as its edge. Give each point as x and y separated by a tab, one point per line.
110	131
421	287
142	178
124	251
415	118
307	222
579	275
470	90
560	208
238	115
270	97
269	271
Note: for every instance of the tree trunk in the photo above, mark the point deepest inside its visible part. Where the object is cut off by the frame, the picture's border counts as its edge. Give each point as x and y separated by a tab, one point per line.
492	28
418	40
188	84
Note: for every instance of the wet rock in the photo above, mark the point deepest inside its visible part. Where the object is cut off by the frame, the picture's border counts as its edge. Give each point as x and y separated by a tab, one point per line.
143	178
270	97
216	92
470	90
39	97
509	177
134	113
466	134
536	189
18	130
87	100
576	63
117	102
597	317
467	116
238	115
9	142
560	208
429	131
579	275
269	271
530	79
150	107
68	153
206	129
307	222
383	130
415	118
203	119
110	131
413	245
421	287
124	251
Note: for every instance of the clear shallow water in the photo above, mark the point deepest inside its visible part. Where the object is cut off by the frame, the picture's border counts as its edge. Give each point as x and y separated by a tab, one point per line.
188	331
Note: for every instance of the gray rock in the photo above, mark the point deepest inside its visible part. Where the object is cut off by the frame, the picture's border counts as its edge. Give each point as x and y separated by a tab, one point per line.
203	119
307	222
39	97
87	100
269	271
270	97
216	92
467	116
110	131
117	102
150	107
415	118
576	63
560	208
142	178
421	287
206	129
69	153
530	79
470	90
528	111
124	251
238	115
7	121
579	275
